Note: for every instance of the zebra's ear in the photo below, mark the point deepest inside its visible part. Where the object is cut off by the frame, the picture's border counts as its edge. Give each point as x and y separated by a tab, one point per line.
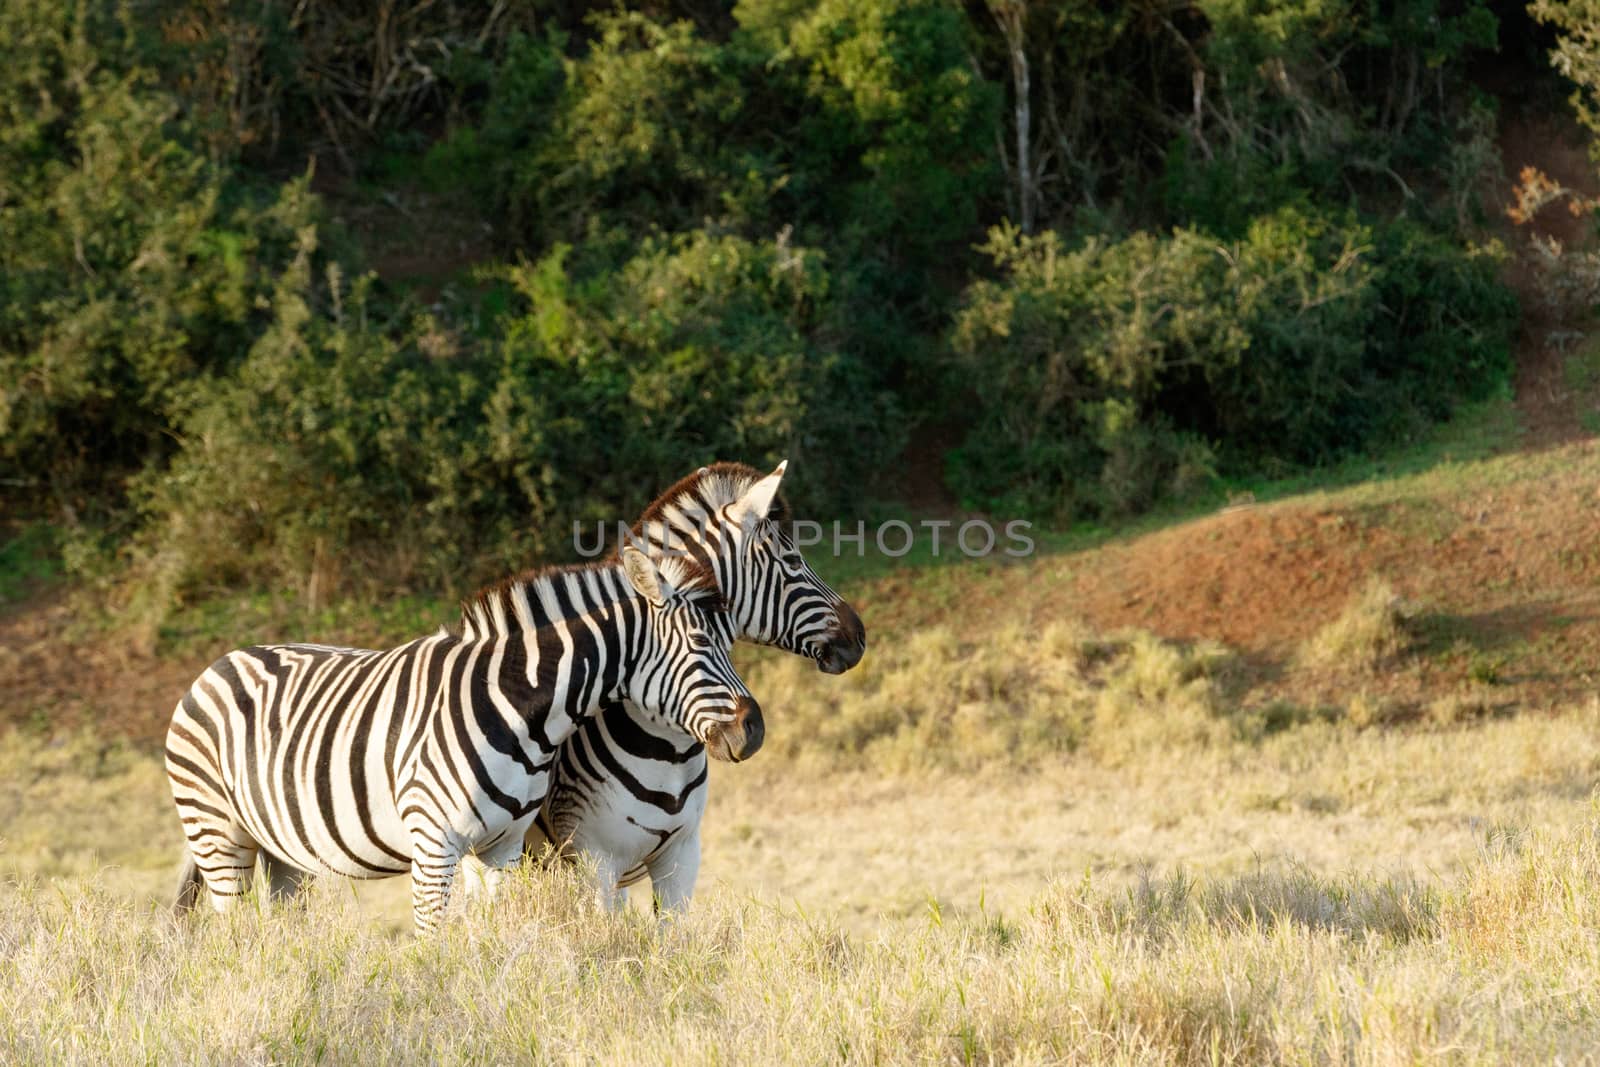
645	577
757	500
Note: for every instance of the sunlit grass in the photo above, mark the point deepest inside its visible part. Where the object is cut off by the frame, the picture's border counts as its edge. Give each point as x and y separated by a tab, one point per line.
1496	964
1373	629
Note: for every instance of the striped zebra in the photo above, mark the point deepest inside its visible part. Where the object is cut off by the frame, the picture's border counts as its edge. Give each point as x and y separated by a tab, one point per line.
628	791
371	764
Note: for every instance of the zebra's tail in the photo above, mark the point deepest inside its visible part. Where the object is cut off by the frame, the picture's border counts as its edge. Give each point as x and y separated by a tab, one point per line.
190	886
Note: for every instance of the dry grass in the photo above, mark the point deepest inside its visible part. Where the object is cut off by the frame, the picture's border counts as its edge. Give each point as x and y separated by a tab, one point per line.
1371	631
1324	894
1023	844
1011	695
1495	965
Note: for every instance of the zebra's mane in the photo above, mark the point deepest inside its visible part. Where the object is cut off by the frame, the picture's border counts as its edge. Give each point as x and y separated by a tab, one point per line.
544	595
708	489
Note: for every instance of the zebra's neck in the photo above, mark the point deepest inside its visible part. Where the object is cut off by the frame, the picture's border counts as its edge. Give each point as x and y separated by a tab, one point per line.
689	518
531	601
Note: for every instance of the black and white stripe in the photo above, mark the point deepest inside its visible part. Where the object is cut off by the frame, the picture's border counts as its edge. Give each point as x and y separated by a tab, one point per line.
371	764
629	790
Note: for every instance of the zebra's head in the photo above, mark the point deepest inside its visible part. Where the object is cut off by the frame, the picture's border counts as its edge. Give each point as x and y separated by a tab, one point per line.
683	673
729	519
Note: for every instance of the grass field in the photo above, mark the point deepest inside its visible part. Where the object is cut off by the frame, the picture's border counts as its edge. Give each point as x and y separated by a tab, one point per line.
1330	895
1309	781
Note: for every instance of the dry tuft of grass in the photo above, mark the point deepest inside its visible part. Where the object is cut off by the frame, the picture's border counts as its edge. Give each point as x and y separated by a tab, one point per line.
1009	695
1373	630
1461	706
1365	709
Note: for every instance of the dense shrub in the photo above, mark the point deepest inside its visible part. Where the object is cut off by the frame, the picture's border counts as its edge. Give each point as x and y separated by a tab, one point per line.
128	262
698	347
349	446
1109	374
861	126
636	135
337	445
739	231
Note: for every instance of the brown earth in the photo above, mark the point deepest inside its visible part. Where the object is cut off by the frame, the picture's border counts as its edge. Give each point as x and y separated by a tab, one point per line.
1503	580
52	675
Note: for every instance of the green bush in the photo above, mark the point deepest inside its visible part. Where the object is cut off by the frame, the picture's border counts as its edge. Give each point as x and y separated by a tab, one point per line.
1319	101
352	449
697	348
638	134
1068	354
745	234
128	262
338	448
1109	374
861	127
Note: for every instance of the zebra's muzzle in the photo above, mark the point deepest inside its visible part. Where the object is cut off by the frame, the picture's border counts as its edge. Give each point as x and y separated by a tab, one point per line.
846	645
737	741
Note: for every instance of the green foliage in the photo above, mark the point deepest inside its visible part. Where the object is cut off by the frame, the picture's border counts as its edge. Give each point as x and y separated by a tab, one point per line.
897	107
128	263
27	558
741	234
345	439
1325	98
634	135
1577	51
335	435
1068	355
1103	372
697	347
862	126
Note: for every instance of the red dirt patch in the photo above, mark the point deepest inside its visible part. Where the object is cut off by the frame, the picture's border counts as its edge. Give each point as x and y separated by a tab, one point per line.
1502	569
1254	578
1507	580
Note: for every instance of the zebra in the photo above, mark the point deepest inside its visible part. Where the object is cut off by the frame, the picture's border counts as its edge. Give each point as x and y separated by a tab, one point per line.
628	790
371	764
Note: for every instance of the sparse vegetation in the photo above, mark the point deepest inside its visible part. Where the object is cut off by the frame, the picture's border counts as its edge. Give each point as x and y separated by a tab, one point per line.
1010	695
1373	629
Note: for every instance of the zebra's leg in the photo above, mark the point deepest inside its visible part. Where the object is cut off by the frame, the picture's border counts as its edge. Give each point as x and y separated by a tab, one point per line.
284	882
674	870
494	863
226	857
222	851
434	859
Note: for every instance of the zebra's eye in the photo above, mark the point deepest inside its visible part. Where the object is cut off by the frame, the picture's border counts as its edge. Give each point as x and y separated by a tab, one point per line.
699	642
